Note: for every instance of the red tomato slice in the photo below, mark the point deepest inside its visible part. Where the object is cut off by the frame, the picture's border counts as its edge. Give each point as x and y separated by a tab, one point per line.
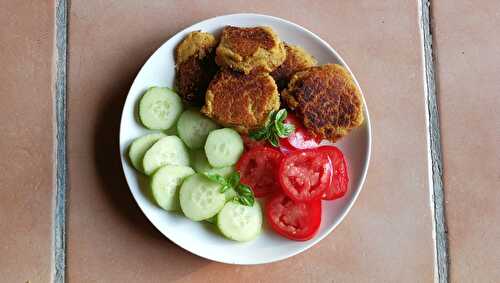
305	174
294	220
300	139
258	169
340	180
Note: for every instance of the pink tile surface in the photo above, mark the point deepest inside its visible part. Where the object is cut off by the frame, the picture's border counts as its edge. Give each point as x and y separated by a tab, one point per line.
468	67
386	237
26	187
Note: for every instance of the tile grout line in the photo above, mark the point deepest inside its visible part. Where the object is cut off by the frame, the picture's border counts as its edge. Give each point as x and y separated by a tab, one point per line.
59	239
434	139
428	141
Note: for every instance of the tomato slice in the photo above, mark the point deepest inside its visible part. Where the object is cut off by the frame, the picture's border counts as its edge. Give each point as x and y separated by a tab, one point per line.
294	220
300	139
340	179
258	169
305	174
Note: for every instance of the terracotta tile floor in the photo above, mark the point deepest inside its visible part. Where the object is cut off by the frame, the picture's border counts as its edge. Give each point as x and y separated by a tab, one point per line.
26	43
468	68
388	235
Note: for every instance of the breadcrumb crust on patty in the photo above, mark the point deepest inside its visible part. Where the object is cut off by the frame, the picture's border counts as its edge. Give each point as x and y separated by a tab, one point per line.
241	101
327	99
250	50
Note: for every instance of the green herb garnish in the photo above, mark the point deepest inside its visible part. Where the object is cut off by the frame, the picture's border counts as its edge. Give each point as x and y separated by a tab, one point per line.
244	194
274	129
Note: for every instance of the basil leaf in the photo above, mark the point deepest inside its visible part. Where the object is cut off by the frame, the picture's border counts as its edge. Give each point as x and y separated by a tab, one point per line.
259	134
245	190
251	201
274	140
246	196
246	200
288	129
274	129
270	118
225	185
224	188
281	116
234	179
216	178
281	131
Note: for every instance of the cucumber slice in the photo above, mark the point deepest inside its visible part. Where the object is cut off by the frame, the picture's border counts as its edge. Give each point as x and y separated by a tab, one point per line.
159	108
200	198
223	171
139	147
201	165
168	150
193	128
200	162
165	185
223	147
239	222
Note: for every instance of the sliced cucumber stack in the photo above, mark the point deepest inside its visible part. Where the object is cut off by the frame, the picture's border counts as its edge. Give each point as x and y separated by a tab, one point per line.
201	165
168	150
223	147
239	222
139	147
193	128
165	184
159	108
174	185
200	198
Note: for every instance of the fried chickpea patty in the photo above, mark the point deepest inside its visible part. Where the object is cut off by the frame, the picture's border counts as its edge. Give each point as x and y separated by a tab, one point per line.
256	49
327	100
297	59
241	101
195	66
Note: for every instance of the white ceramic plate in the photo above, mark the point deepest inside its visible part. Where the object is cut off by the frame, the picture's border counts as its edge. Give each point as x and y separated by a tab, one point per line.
199	238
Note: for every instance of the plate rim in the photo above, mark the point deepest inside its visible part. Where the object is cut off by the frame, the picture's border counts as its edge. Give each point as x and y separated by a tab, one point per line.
365	166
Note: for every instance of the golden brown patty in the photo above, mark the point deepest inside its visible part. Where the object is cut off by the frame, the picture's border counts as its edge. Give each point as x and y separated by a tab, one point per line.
195	66
256	49
297	59
327	99
241	101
